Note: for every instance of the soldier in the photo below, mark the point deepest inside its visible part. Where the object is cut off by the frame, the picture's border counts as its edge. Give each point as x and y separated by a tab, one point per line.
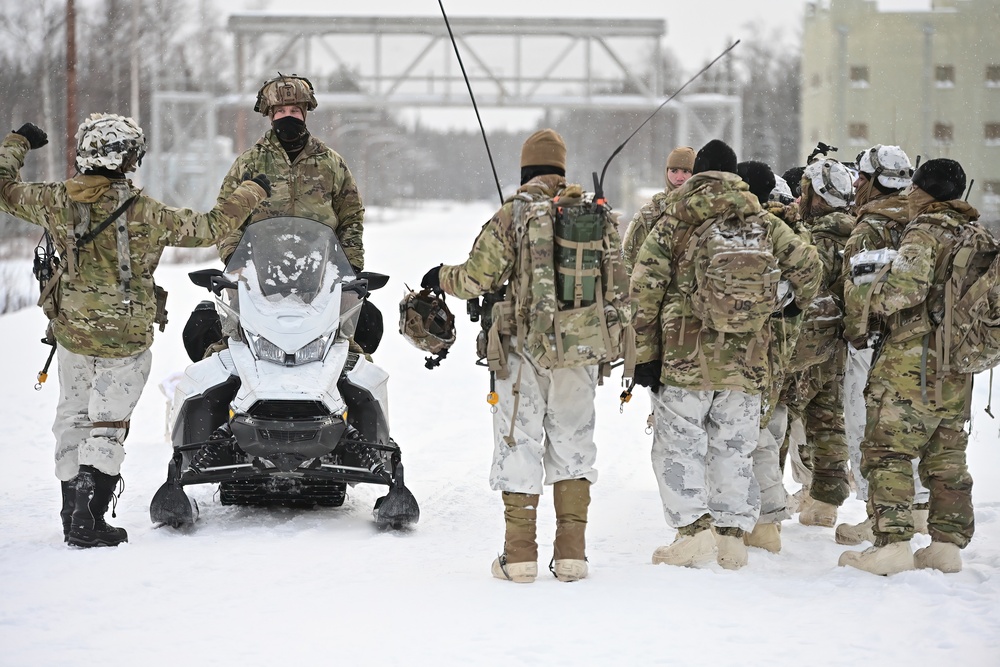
883	173
818	401
102	300
916	408
544	423
309	179
680	162
707	383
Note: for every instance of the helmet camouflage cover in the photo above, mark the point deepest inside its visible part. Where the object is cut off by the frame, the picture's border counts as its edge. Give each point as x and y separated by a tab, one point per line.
110	141
427	323
283	90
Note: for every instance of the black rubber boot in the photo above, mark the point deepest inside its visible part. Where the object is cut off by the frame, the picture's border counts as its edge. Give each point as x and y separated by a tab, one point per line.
68	503
94	491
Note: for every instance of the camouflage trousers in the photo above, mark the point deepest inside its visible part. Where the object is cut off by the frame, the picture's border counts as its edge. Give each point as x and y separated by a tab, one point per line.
820	401
898	431
553	427
91	390
859	364
767	469
703	442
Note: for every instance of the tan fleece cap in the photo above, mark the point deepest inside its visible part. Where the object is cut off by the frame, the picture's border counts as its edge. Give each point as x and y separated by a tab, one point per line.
681	157
544	147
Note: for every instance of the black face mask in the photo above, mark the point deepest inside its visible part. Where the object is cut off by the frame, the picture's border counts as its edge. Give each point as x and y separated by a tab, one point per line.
290	130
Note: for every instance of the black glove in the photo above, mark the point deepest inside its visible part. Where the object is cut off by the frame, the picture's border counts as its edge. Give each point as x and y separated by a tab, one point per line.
262	181
789	311
432	279
35	135
647	374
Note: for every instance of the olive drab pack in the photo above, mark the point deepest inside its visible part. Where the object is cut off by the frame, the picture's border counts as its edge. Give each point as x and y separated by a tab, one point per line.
736	273
971	322
563	304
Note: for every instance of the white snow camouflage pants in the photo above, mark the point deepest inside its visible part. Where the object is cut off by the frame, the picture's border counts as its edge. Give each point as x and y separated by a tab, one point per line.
702	447
95	389
859	364
767	468
553	427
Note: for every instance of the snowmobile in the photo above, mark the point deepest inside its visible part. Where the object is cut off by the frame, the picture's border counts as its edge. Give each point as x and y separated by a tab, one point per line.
291	413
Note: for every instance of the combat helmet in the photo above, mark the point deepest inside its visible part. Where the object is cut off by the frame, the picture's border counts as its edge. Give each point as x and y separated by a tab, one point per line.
109	141
830	180
427	323
282	90
889	165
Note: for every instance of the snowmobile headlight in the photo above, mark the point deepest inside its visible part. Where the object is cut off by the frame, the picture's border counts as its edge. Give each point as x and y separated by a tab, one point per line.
267	350
311	351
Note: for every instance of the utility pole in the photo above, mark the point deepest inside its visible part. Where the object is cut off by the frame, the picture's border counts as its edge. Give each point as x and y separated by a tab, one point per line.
70	89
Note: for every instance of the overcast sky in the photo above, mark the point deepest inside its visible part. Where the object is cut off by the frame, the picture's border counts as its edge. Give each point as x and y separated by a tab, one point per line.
697	30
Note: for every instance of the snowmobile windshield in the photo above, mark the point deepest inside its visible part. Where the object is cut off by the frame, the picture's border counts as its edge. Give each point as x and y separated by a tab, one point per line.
290	257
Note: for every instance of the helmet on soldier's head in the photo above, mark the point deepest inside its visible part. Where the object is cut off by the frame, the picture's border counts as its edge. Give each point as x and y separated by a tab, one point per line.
284	90
889	165
427	323
109	141
831	181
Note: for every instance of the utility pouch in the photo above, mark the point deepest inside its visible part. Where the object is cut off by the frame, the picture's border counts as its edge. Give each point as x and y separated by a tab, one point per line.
161	307
49	299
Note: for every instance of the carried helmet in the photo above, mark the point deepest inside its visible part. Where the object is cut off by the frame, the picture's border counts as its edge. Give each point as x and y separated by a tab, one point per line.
110	141
283	90
831	181
889	165
427	323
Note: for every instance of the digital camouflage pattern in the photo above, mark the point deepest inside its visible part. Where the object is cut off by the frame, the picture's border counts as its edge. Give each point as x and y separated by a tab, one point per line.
908	417
643	221
317	185
517	245
880	224
95	317
693	356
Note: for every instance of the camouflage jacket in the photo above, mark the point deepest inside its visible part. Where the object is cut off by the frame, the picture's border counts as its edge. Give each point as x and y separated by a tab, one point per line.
643	221
829	233
318	186
880	224
912	300
495	257
97	317
664	324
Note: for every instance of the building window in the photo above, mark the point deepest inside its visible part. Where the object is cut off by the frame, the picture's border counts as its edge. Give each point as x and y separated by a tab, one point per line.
859	76
944	134
944	76
991	200
993	76
991	133
857	134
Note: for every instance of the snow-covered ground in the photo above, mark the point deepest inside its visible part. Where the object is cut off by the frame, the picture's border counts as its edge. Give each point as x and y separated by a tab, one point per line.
255	587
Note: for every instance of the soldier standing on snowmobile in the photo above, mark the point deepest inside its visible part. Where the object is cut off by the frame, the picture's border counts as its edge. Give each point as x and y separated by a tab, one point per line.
309	179
102	301
680	162
917	407
544	423
705	362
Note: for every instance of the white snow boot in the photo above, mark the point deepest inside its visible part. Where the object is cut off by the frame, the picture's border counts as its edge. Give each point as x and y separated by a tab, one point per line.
731	552
765	536
943	556
687	550
519	573
817	513
852	534
893	558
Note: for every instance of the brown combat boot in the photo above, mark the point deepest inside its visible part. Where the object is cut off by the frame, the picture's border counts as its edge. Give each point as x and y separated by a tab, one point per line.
569	558
943	556
886	560
817	513
765	536
519	560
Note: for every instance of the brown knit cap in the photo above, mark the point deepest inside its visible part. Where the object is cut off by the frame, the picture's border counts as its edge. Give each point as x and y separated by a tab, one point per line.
681	157
544	147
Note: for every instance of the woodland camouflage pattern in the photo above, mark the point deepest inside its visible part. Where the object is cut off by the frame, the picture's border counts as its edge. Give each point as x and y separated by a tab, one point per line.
318	186
904	420
665	328
496	256
95	318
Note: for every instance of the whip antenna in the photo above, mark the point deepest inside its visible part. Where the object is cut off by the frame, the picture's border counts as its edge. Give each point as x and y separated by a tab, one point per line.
474	105
599	184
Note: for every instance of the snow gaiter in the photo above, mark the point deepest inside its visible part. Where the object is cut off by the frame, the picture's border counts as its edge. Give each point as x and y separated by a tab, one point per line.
571	498
520	512
94	490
